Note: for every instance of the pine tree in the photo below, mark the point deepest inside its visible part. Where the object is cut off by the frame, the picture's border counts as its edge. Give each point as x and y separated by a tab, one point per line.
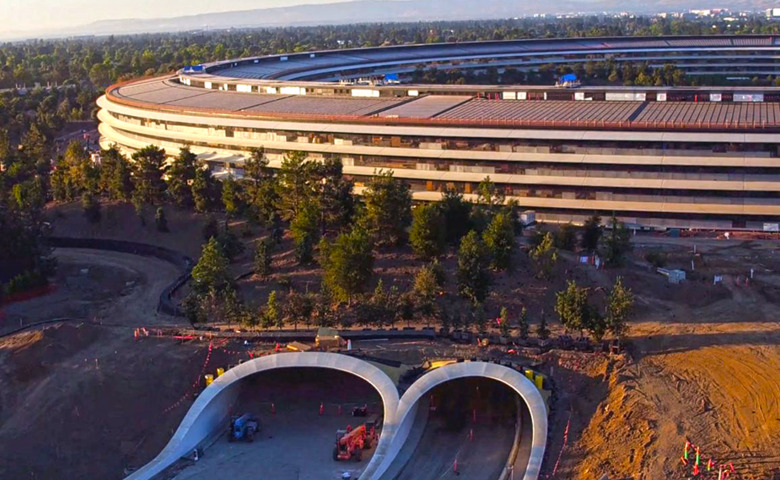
115	177
181	174
428	232
263	258
388	208
541	330
204	190
523	323
620	304
297	183
148	171
473	262
348	263
500	241
571	305
304	230
457	215
91	207
503	322
617	244
160	220
232	197
591	234
336	201
544	256
211	271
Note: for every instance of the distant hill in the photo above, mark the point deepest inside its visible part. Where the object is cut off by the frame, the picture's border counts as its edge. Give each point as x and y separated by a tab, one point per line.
359	11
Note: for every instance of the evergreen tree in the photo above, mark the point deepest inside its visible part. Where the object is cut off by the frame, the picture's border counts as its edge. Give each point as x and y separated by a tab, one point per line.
457	215
210	228
271	315
620	304
115	177
571	305
304	230
91	207
232	197
541	330
263	258
617	244
544	256
522	323
388	208
503	322
566	237
591	234
298	308
160	220
211	271
348	263
181	175
336	201
500	241
428	232
297	183
148	171
204	190
473	262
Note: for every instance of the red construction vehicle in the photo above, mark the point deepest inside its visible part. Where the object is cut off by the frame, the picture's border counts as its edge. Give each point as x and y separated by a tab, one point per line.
350	443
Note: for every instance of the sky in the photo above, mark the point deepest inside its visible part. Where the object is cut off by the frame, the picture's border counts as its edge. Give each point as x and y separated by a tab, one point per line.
40	15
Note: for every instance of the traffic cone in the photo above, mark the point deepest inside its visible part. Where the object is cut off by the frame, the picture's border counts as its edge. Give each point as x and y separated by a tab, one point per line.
322	408
273	408
471	435
455	467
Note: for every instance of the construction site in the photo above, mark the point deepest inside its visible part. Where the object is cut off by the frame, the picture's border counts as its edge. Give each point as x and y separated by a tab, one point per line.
108	373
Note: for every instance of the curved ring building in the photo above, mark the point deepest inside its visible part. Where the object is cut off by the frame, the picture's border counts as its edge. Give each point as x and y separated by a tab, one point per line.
658	157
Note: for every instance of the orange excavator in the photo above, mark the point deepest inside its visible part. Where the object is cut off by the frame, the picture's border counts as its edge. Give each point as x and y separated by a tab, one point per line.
351	442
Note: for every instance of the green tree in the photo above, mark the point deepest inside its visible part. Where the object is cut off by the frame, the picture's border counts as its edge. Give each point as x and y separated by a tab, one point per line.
542	331
473	262
181	175
457	215
298	308
522	323
571	305
263	258
428	232
148	171
336	201
544	256
297	183
160	220
304	229
591	234
91	207
232	197
204	190
566	237
348	263
617	243
271	316
500	241
210	228
115	174
425	283
503	322
211	271
388	208
620	305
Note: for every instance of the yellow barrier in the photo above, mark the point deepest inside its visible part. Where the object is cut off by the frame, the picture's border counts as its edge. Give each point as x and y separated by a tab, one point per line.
220	371
209	379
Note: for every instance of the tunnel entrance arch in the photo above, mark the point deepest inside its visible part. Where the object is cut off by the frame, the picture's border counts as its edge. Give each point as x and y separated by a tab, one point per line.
209	411
527	391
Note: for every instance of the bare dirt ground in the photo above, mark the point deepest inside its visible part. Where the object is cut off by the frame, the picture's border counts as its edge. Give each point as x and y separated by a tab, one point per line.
702	363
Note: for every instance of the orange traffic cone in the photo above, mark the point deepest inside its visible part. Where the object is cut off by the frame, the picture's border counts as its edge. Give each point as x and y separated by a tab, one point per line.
322	408
455	467
273	408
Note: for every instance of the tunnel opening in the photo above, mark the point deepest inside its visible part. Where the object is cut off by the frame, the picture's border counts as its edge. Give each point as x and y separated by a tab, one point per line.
299	411
463	428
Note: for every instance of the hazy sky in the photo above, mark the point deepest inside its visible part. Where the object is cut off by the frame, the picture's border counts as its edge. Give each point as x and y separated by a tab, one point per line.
24	15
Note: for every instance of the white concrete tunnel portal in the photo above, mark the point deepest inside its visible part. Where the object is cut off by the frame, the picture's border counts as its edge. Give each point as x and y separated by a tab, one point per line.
208	413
